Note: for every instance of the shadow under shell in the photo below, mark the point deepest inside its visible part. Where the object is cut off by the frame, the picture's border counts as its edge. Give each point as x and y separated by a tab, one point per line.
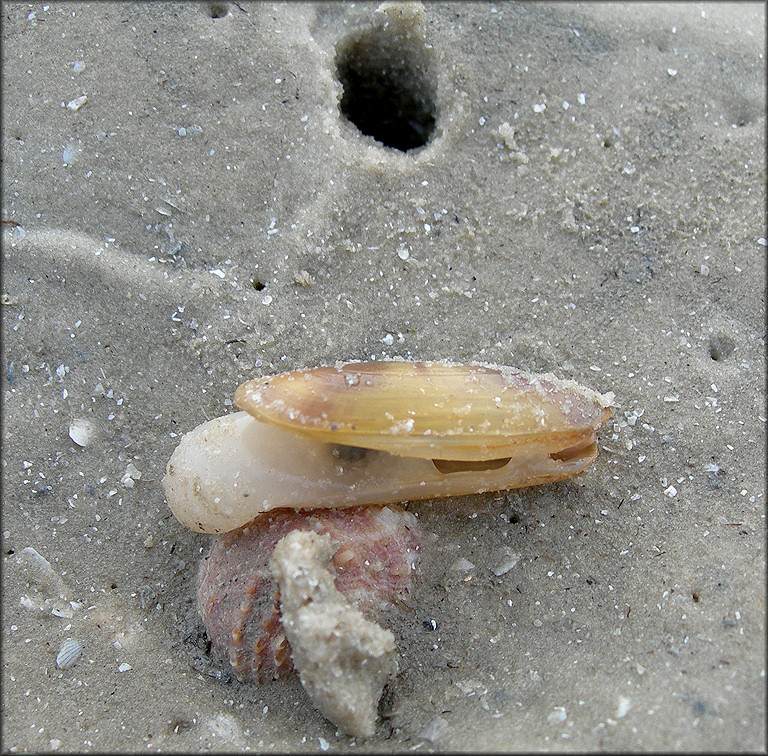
376	550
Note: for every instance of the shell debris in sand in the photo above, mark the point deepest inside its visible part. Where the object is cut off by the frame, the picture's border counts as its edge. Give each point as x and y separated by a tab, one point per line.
376	550
343	660
81	431
354	436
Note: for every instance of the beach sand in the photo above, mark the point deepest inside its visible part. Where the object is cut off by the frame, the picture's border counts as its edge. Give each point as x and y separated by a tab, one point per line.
186	206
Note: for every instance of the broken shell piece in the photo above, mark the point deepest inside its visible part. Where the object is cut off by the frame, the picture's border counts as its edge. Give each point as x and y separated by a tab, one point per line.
374	559
77	103
343	659
81	431
381	432
48	591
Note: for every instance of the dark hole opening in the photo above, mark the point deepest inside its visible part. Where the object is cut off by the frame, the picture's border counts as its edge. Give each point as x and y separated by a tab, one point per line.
388	89
458	465
345	453
218	10
585	448
720	348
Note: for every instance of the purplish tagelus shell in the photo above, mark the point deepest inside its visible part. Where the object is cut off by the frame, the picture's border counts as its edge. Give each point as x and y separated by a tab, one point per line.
361	433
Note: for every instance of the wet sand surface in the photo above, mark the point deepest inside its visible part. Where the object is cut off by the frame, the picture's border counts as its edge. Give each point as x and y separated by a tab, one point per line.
560	187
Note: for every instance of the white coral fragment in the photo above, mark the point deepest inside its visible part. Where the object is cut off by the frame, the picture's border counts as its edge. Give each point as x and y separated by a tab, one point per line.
343	660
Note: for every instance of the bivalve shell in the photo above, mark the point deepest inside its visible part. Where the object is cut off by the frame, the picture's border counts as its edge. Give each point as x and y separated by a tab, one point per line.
70	652
379	433
375	553
440	410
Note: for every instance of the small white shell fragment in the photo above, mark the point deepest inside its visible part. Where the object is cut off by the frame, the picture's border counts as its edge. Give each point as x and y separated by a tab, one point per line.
558	715
624	705
69	153
124	667
70	652
81	432
506	564
63	610
47	588
130	476
77	103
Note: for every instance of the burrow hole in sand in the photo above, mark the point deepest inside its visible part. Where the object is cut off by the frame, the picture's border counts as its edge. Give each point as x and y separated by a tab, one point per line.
389	88
218	10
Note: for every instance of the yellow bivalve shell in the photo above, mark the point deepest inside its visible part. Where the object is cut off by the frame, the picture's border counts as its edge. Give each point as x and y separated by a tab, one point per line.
360	433
437	410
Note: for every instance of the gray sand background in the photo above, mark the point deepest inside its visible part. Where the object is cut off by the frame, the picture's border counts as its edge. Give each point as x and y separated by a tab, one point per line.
207	216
